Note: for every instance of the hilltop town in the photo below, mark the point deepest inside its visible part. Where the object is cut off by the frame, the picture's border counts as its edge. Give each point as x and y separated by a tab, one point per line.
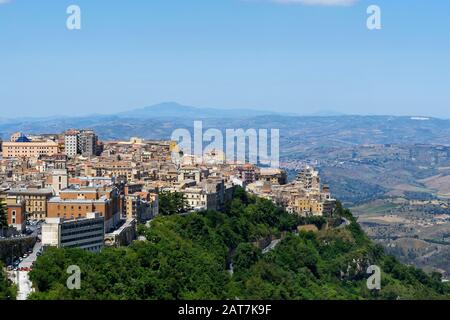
205	224
73	190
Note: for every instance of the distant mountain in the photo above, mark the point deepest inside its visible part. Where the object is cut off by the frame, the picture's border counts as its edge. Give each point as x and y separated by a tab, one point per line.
176	110
326	113
297	132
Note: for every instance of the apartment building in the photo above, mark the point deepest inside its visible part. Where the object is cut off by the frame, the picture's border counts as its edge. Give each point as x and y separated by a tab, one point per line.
25	148
59	180
16	212
75	203
306	207
87	143
309	178
121	170
86	233
84	142
200	199
192	173
210	194
15	136
36	200
142	206
248	173
57	161
274	176
71	143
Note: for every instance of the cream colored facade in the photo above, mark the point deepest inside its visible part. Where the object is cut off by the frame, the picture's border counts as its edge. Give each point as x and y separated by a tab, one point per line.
50	232
307	206
199	199
29	149
35	200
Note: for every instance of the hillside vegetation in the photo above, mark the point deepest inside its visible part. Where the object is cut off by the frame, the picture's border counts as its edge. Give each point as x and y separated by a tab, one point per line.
187	257
7	289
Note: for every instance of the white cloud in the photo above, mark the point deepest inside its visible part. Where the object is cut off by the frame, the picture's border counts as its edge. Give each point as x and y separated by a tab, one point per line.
318	2
4	1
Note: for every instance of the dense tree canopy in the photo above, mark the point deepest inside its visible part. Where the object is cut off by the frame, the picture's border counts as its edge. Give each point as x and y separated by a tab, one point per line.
3	216
172	203
187	257
7	290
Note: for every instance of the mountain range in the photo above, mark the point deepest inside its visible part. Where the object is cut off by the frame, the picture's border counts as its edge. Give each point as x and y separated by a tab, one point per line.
176	110
158	122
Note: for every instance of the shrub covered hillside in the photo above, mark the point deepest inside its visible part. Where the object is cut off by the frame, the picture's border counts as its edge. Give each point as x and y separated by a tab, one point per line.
7	289
213	255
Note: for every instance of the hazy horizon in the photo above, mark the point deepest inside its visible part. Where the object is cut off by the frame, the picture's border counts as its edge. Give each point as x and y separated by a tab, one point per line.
320	113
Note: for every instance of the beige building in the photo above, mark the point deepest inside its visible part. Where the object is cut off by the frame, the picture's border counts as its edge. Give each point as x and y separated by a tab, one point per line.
76	203
200	199
59	180
29	149
274	176
307	207
35	201
141	206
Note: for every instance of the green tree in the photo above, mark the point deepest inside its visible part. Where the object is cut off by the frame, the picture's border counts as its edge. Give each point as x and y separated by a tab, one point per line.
7	290
245	256
171	203
3	217
186	257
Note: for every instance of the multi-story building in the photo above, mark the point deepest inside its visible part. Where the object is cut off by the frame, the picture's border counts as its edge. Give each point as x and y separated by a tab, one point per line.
120	170
307	207
248	173
74	203
86	233
16	213
57	161
141	206
192	173
36	200
274	176
59	180
87	143
84	142
200	199
25	148
71	143
309	178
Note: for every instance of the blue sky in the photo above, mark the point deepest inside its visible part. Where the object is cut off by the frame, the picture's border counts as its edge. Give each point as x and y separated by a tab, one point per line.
260	54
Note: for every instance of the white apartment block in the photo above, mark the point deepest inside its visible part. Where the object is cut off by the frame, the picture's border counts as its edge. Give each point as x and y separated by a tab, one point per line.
85	233
71	143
